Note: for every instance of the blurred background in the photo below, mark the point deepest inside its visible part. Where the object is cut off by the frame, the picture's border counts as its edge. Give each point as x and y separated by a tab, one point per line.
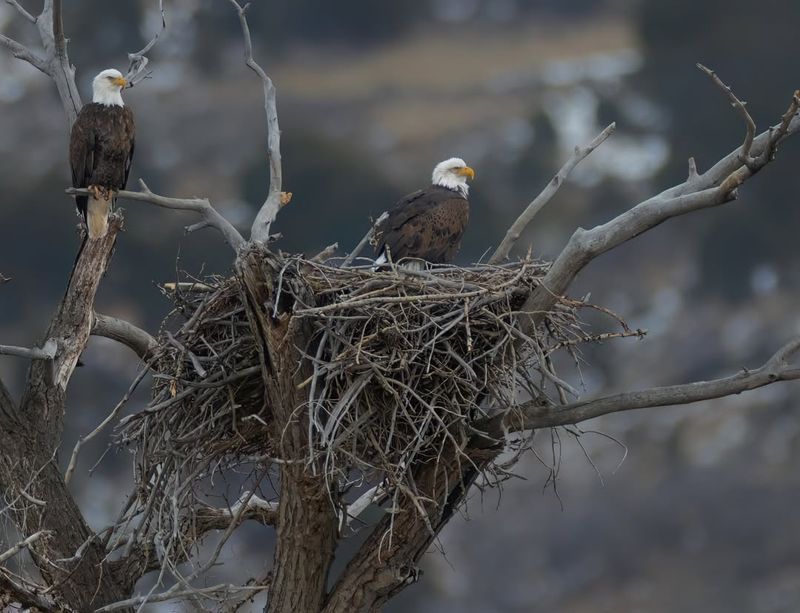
701	515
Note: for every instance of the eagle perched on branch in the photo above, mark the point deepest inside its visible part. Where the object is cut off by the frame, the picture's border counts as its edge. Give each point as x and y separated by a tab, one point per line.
101	149
428	224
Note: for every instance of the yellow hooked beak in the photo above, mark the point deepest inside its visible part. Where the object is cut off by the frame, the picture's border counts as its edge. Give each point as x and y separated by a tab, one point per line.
120	81
466	171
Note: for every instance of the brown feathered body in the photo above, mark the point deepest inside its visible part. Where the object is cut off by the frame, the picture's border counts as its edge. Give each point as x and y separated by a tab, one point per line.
100	154
427	224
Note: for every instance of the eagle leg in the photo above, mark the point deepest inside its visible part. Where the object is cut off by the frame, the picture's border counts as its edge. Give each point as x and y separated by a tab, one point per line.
95	191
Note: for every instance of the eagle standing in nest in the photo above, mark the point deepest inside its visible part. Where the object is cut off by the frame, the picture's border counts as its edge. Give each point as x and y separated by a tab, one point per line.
428	224
101	149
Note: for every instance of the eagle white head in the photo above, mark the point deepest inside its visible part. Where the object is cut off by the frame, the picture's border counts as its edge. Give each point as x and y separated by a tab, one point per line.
107	87
453	174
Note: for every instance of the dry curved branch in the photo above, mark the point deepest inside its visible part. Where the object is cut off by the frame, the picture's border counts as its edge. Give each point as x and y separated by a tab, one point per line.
740	106
137	69
269	210
126	333
202	206
21	10
518	227
777	368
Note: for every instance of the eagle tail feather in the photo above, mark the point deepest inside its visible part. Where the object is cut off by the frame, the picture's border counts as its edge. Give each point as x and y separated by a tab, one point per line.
97	217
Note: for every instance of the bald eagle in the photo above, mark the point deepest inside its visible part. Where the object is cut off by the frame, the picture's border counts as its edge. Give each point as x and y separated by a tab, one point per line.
428	224
101	149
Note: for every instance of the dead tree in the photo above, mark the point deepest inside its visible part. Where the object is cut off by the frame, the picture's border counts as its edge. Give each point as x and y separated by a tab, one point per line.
342	386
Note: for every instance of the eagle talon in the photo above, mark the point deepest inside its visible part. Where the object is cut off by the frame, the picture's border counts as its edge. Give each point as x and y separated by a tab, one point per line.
95	191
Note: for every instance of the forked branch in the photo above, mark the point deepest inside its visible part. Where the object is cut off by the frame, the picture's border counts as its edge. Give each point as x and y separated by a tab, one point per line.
202	206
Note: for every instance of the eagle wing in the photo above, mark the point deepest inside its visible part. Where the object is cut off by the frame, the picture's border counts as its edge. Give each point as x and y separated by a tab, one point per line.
82	149
427	224
130	132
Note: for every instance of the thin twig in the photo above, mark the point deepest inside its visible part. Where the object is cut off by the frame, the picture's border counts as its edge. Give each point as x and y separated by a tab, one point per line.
73	460
21	10
137	69
750	133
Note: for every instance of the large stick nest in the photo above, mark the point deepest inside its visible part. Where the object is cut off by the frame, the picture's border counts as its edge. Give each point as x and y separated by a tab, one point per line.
401	364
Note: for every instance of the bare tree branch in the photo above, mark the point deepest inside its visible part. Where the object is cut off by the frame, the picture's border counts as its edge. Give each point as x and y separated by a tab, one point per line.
518	227
24	544
21	52
126	333
716	186
202	206
744	153
269	210
137	69
777	368
48	352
